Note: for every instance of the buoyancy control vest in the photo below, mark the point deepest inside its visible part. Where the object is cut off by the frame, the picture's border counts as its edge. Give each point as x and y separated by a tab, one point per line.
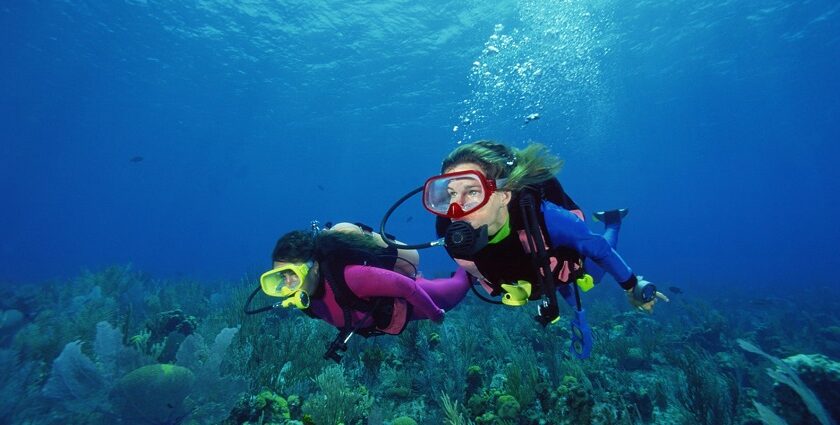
389	315
510	260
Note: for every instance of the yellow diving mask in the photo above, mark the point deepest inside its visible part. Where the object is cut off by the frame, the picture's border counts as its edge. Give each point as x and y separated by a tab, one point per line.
286	282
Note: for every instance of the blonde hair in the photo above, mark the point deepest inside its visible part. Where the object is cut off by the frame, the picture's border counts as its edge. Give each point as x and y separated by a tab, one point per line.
523	168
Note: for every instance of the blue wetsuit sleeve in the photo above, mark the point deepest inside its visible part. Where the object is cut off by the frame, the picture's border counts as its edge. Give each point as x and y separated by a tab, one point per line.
565	229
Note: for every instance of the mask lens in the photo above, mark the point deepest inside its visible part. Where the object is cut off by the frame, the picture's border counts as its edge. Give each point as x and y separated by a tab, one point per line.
466	189
436	196
283	281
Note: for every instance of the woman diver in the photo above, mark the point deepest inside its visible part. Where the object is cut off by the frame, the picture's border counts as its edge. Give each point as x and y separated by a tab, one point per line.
348	277
481	186
504	217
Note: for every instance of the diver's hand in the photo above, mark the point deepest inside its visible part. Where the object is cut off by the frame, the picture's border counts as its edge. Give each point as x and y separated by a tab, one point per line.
641	305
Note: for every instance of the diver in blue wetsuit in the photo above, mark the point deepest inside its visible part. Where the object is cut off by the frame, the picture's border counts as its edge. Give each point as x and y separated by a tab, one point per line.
504	217
512	226
482	185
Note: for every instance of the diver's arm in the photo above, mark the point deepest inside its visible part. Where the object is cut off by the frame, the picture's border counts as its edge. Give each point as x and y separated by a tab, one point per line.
366	282
567	229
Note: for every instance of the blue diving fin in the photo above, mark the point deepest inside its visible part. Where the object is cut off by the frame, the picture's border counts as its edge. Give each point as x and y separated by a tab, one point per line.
581	345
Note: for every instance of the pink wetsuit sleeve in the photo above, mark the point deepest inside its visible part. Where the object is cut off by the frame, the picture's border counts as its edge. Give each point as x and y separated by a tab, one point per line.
447	292
366	282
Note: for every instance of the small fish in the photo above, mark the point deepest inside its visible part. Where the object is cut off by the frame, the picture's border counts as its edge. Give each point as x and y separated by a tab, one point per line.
532	117
321	188
675	289
408	220
136	159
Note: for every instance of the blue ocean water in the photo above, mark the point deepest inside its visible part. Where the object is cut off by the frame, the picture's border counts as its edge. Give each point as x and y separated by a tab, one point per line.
184	137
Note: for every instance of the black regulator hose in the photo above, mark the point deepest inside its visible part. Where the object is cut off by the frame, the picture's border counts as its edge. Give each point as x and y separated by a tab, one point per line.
251	298
388	213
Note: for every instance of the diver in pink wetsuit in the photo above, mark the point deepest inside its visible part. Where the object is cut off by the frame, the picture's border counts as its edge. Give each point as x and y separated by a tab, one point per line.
348	277
404	298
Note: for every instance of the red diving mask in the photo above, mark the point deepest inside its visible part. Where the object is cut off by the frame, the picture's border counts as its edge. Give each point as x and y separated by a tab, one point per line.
455	195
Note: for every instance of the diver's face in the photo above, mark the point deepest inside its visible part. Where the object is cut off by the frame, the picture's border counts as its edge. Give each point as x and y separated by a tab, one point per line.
466	192
494	213
291	278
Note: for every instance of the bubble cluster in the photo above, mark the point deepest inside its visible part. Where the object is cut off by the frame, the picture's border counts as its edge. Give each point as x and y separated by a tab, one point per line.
550	62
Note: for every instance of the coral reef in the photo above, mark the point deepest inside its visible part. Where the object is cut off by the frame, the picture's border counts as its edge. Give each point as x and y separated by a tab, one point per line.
265	408
163	388
129	349
336	401
821	375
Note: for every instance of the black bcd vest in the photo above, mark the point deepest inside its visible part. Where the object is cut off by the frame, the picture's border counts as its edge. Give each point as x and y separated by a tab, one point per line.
507	261
332	263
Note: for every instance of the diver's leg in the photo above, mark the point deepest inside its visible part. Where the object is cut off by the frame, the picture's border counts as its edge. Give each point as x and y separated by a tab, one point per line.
568	294
612	224
611	235
593	270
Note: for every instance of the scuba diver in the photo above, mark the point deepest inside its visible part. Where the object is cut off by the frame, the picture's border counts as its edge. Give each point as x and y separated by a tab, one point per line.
504	217
349	277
